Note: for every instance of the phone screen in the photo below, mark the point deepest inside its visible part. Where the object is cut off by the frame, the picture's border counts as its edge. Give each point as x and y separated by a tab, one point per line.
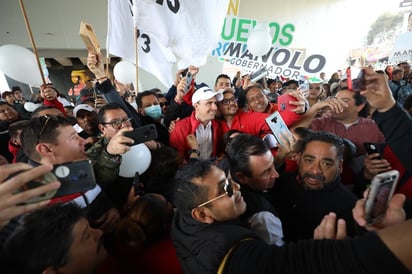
382	188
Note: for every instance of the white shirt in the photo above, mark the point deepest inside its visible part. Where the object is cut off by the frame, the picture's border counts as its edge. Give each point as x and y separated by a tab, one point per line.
205	140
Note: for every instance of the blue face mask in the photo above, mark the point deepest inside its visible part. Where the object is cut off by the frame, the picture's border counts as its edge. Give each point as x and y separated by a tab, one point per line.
154	112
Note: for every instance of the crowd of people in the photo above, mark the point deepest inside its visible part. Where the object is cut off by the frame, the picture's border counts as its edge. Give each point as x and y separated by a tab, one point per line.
222	193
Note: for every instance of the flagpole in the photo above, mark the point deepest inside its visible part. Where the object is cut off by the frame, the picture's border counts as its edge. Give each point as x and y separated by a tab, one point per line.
136	31
33	44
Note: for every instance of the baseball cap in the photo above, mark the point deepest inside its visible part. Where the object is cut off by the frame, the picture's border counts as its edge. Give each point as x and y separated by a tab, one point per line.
205	93
84	95
82	107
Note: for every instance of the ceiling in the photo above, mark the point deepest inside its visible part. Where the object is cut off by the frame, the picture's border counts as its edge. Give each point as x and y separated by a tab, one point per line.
55	28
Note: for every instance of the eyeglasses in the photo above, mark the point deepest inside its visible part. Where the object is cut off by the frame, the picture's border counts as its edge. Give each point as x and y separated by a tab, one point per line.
229	100
228	188
45	124
118	124
163	104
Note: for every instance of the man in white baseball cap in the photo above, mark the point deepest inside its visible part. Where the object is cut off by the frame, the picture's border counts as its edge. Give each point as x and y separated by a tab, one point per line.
202	124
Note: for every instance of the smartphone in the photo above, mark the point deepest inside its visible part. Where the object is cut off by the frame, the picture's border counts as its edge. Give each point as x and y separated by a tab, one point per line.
75	177
380	192
359	83
278	127
142	134
189	78
283	102
372	148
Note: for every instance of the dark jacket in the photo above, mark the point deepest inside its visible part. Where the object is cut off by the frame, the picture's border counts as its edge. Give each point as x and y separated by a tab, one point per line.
396	126
302	210
112	96
201	247
162	132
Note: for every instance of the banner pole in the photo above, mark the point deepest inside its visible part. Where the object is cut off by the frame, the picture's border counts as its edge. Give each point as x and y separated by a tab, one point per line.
136	35
33	44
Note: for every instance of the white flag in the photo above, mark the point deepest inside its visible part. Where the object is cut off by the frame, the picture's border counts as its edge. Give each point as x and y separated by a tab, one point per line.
152	56
190	28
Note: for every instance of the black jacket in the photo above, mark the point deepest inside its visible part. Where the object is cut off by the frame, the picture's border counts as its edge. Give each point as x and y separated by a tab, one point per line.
201	247
301	210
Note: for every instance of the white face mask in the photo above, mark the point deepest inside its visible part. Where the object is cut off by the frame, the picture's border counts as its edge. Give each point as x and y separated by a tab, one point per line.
154	111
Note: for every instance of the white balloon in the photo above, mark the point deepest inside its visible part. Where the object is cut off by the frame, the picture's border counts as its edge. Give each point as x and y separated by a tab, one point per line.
259	42
125	72
20	64
30	107
137	159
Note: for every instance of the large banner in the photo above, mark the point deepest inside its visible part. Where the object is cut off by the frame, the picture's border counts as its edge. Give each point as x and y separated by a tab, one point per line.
281	59
402	46
152	55
320	38
168	31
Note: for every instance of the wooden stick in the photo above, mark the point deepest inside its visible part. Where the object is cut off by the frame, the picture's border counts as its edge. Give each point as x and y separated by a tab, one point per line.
137	59
33	44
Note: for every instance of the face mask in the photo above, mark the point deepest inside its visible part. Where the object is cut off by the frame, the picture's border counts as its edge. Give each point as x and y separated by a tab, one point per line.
154	112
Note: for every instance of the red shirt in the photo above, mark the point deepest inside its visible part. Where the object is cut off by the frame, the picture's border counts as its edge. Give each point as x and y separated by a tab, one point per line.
365	130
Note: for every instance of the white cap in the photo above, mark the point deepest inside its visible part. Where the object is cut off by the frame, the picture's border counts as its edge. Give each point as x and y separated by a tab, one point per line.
205	93
82	107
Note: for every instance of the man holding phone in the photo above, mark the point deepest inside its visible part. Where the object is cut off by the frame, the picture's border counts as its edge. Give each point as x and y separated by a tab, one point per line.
395	124
53	140
258	102
12	203
106	153
234	118
209	238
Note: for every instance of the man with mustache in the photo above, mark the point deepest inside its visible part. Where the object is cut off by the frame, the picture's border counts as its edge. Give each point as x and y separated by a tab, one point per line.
209	238
304	197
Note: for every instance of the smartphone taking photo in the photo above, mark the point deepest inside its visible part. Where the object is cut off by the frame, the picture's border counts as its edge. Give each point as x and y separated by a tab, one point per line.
75	177
359	83
278	127
372	148
189	78
380	193
142	134
283	103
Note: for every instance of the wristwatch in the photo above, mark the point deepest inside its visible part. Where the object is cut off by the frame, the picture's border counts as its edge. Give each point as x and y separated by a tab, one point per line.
194	151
